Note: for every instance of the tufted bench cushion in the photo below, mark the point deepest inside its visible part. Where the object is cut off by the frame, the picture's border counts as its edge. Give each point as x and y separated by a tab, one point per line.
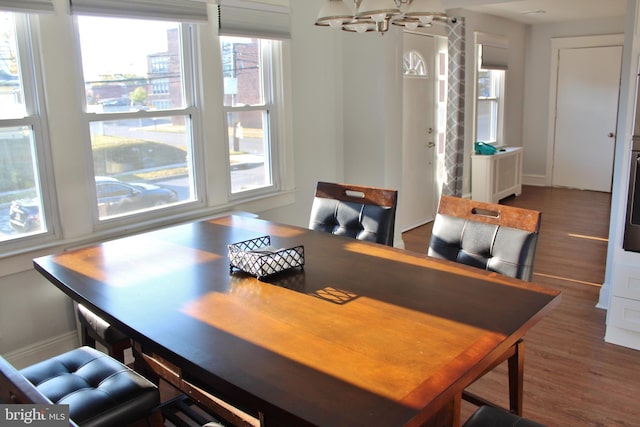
488	416
99	390
356	220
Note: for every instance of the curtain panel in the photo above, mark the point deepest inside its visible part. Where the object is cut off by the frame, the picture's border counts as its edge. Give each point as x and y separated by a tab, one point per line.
454	149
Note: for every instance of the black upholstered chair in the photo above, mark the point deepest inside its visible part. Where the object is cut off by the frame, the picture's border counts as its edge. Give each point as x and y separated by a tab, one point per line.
488	416
496	238
485	235
363	213
99	390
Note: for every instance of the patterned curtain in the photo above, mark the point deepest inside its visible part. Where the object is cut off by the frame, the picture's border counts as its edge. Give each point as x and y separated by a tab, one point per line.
454	150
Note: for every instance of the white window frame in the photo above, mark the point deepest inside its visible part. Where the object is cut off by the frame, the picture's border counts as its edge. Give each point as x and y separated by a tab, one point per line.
272	66
499	84
35	118
72	213
191	111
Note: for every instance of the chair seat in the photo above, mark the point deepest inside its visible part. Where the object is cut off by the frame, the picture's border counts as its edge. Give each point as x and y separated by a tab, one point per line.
99	390
488	416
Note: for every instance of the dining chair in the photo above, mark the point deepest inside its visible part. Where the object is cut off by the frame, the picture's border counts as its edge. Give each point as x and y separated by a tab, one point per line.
94	328
363	213
488	416
497	238
99	390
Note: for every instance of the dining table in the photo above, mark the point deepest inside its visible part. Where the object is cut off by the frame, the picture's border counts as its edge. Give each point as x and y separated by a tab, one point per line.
357	334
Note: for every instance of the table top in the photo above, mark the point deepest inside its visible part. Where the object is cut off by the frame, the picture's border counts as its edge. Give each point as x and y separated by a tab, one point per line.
365	334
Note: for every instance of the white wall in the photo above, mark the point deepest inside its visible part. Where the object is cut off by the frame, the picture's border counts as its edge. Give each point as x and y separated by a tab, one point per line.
536	86
316	70
515	33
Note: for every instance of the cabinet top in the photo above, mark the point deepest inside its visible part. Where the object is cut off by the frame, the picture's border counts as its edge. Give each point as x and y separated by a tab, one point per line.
501	152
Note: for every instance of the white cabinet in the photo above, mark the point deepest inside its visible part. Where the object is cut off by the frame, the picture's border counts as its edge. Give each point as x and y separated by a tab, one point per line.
623	316
494	177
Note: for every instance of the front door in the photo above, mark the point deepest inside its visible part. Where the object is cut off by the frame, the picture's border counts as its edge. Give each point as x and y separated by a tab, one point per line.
417	202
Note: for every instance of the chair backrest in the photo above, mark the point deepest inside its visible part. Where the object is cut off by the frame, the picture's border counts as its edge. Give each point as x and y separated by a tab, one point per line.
486	235
363	213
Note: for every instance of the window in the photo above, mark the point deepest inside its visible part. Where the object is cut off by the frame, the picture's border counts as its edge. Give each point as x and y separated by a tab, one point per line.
490	102
23	200
413	64
250	104
141	113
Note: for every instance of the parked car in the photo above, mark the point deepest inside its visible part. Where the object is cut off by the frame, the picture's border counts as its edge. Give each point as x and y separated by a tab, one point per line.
115	197
24	215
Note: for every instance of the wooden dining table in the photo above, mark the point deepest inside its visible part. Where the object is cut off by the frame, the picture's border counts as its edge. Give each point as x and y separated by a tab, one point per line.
361	335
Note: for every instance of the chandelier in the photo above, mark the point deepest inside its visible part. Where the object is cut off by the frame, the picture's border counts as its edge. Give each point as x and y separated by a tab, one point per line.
375	15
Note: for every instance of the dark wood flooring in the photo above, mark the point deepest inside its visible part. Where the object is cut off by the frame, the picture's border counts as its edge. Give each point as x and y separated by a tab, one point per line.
572	377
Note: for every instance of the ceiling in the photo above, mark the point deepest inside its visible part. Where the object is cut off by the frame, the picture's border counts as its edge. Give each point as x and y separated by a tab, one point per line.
527	11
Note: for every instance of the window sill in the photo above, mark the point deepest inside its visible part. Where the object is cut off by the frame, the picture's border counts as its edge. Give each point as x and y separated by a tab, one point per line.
20	260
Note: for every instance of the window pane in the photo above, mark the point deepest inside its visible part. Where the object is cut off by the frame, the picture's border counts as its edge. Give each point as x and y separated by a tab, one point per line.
131	65
242	70
12	104
143	159
20	193
487	121
485	89
141	164
248	150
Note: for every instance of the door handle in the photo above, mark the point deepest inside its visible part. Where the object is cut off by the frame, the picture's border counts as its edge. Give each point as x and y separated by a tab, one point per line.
431	144
611	135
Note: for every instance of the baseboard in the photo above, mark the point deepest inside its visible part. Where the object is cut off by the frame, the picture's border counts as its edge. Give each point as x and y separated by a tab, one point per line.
42	350
605	294
535	180
623	337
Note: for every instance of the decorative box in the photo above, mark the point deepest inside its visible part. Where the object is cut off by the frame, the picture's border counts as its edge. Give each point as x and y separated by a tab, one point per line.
258	258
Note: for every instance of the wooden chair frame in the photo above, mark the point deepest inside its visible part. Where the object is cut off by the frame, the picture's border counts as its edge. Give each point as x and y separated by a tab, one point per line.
491	213
507	216
357	194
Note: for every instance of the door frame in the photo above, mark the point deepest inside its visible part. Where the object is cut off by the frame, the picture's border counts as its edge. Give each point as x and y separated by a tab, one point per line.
556	45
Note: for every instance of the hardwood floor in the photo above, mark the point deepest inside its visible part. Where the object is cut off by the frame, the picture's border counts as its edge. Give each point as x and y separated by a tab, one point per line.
572	377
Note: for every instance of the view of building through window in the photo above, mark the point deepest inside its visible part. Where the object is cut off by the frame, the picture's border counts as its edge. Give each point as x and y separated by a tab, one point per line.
247	103
140	113
142	119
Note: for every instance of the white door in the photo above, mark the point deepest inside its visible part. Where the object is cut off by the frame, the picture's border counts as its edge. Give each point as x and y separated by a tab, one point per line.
418	132
586	113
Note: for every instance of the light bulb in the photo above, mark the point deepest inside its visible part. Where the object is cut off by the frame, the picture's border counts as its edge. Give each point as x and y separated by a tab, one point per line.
335	23
411	25
426	19
378	17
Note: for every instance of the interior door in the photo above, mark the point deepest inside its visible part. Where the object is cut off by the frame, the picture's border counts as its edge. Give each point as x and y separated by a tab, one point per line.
586	113
417	203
